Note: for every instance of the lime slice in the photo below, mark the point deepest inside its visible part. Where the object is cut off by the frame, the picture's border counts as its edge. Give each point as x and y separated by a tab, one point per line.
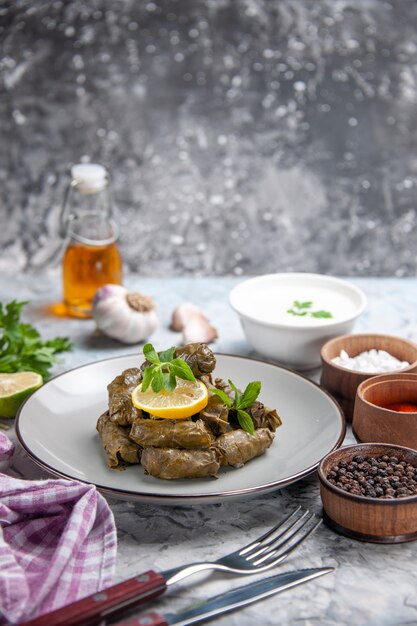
187	399
14	389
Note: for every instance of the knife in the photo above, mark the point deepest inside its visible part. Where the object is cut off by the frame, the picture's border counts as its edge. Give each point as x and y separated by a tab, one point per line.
228	601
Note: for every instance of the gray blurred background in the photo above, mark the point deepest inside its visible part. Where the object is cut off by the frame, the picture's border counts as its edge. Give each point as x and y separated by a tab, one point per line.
243	136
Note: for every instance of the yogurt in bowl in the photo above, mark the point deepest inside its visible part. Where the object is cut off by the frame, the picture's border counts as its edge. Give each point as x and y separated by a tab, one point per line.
289	316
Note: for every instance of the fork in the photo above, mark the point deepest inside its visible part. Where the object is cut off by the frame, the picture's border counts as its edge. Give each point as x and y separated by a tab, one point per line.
260	555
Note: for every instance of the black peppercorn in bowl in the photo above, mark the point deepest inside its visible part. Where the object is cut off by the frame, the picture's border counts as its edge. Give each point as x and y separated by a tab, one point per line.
369	492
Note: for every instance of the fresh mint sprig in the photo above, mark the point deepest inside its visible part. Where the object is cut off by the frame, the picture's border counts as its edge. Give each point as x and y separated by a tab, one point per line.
301	309
165	369
241	402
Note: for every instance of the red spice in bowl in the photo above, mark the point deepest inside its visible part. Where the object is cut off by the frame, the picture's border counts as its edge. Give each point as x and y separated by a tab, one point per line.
402	407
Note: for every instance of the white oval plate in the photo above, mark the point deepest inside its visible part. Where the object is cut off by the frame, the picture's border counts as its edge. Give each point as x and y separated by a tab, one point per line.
57	427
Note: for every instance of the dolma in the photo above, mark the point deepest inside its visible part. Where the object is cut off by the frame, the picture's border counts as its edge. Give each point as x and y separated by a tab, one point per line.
171	463
121	409
171	434
264	417
215	415
119	449
237	446
197	355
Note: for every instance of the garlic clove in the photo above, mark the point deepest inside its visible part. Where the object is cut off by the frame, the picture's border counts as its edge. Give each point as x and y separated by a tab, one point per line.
121	314
183	314
193	323
198	330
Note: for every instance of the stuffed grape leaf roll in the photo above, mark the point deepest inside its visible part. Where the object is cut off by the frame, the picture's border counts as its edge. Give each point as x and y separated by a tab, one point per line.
171	433
237	446
199	357
215	415
171	463
119	449
121	409
264	417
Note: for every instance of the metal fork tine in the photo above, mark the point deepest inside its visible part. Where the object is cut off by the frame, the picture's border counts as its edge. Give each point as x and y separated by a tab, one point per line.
284	537
270	532
283	555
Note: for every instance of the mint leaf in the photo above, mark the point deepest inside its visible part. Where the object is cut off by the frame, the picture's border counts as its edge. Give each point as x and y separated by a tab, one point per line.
150	354
147	376
238	394
170	382
250	394
165	369
245	421
157	381
222	396
242	401
182	370
167	355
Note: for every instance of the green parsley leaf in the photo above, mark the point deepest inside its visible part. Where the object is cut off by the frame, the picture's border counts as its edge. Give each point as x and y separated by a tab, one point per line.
321	314
302	305
21	346
298	309
300	314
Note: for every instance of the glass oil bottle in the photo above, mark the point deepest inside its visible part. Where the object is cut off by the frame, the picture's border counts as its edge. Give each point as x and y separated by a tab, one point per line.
92	258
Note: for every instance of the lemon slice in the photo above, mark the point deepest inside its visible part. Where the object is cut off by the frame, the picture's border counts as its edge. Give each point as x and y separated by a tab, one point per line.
14	389
187	399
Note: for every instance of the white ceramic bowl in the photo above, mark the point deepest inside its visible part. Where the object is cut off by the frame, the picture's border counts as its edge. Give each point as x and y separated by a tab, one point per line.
262	304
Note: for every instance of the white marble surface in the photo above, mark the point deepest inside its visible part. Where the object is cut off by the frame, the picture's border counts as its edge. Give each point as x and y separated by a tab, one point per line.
372	584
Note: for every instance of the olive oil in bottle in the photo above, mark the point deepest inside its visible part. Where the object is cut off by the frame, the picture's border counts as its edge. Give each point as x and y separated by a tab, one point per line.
92	258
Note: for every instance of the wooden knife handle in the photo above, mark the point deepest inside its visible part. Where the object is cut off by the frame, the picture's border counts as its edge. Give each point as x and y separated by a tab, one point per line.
146	619
107	603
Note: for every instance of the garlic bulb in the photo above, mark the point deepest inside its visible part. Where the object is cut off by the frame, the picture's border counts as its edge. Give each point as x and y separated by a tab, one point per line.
124	315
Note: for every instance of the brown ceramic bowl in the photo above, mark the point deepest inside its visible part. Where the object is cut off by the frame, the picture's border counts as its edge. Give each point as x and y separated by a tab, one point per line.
343	383
368	519
373	422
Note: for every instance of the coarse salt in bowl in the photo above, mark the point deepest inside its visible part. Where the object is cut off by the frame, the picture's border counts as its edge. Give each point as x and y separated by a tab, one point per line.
289	316
370	361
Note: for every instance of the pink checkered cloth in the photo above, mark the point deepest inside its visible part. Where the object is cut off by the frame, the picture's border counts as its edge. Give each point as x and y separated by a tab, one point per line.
57	543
